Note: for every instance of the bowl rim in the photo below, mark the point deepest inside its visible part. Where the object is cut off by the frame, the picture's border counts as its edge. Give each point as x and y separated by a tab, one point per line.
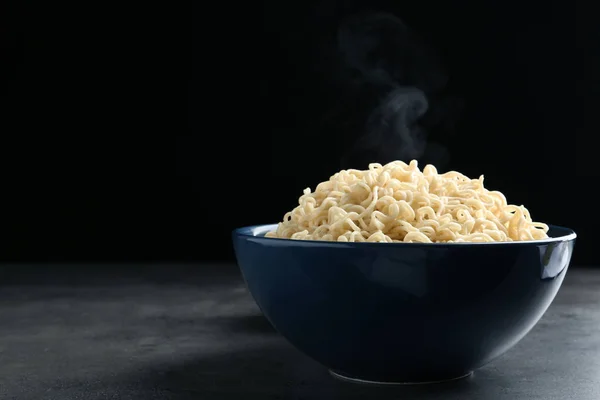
257	232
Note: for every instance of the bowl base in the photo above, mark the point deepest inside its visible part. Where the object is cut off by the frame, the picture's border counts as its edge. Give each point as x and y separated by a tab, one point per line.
350	379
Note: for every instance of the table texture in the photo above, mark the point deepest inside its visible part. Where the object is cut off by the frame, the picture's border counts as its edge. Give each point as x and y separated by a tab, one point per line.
193	332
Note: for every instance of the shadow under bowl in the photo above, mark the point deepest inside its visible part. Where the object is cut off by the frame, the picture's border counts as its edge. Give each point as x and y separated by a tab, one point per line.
402	312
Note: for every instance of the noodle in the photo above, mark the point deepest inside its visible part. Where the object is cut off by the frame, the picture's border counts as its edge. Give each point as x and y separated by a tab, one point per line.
397	202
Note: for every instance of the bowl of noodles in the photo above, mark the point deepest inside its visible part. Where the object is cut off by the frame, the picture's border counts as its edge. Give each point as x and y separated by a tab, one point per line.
401	275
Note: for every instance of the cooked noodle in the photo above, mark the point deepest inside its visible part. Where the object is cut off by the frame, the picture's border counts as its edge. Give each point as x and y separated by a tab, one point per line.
397	202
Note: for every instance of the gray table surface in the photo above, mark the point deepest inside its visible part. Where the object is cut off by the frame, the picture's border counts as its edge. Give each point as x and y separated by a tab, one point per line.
193	332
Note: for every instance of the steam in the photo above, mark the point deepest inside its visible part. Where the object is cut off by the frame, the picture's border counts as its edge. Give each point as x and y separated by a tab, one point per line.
392	131
386	68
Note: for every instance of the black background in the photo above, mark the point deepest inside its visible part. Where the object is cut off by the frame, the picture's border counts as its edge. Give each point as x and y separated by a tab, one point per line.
145	134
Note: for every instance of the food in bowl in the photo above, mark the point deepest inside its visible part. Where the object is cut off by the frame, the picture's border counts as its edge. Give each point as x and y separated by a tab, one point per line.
397	202
433	307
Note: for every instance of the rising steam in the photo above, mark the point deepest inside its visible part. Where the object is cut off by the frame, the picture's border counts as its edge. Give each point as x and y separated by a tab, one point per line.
385	67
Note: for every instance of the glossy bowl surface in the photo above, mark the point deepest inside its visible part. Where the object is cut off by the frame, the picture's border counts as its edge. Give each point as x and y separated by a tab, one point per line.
402	312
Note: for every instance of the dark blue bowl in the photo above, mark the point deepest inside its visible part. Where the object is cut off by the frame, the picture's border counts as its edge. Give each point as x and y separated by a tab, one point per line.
402	312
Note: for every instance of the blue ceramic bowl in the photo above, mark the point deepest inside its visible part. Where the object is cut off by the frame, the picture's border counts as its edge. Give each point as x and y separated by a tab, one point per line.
402	312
